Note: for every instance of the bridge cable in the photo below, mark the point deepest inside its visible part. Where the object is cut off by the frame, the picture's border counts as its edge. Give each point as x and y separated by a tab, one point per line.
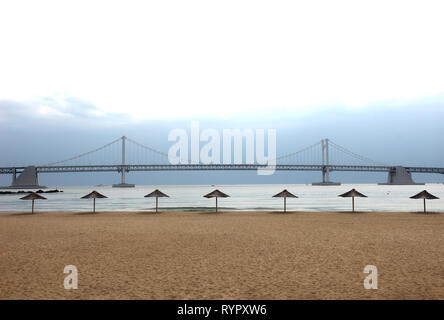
309	148
355	155
83	154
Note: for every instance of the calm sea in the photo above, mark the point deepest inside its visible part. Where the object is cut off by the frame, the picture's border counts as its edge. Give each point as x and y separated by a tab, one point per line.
243	197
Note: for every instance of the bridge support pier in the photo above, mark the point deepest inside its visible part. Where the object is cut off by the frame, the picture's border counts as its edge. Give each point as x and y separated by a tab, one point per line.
400	176
28	179
123	183
326	178
14	176
123	170
325	167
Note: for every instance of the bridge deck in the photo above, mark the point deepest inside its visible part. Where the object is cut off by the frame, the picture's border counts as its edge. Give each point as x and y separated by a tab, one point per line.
200	167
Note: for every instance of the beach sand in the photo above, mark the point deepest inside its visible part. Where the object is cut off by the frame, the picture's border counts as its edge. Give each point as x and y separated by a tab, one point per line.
237	255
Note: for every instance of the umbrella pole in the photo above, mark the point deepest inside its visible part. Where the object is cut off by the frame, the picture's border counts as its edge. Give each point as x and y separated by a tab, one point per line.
216	204
425	211
157	203
353	203
32	205
94	205
285	204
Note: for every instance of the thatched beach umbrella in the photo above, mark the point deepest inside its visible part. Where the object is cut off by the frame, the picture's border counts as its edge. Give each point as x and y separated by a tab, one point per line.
424	195
285	194
352	194
94	195
216	194
158	194
33	196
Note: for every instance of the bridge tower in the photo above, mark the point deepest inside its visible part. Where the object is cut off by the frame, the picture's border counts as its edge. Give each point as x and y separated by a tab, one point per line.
325	167
123	168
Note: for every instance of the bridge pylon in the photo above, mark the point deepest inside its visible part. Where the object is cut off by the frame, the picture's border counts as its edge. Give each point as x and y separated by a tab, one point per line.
123	169
325	167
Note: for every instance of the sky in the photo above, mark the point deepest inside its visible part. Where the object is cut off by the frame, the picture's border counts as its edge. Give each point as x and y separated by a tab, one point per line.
75	75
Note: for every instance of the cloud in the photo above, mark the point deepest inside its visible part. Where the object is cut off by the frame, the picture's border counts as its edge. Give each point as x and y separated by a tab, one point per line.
56	108
74	107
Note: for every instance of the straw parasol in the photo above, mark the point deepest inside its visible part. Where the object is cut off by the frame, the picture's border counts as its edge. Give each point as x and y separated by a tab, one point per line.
158	194
94	195
33	196
424	195
216	194
352	194
285	194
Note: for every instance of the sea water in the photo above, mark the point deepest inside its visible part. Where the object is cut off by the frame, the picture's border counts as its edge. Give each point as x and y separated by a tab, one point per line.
242	198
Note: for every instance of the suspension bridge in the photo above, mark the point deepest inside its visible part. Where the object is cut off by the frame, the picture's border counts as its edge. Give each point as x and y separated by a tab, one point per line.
125	155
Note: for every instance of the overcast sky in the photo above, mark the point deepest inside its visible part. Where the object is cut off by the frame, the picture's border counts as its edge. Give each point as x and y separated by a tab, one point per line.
79	74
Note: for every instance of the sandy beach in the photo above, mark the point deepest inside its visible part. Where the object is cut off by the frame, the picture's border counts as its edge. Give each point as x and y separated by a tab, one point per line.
230	255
